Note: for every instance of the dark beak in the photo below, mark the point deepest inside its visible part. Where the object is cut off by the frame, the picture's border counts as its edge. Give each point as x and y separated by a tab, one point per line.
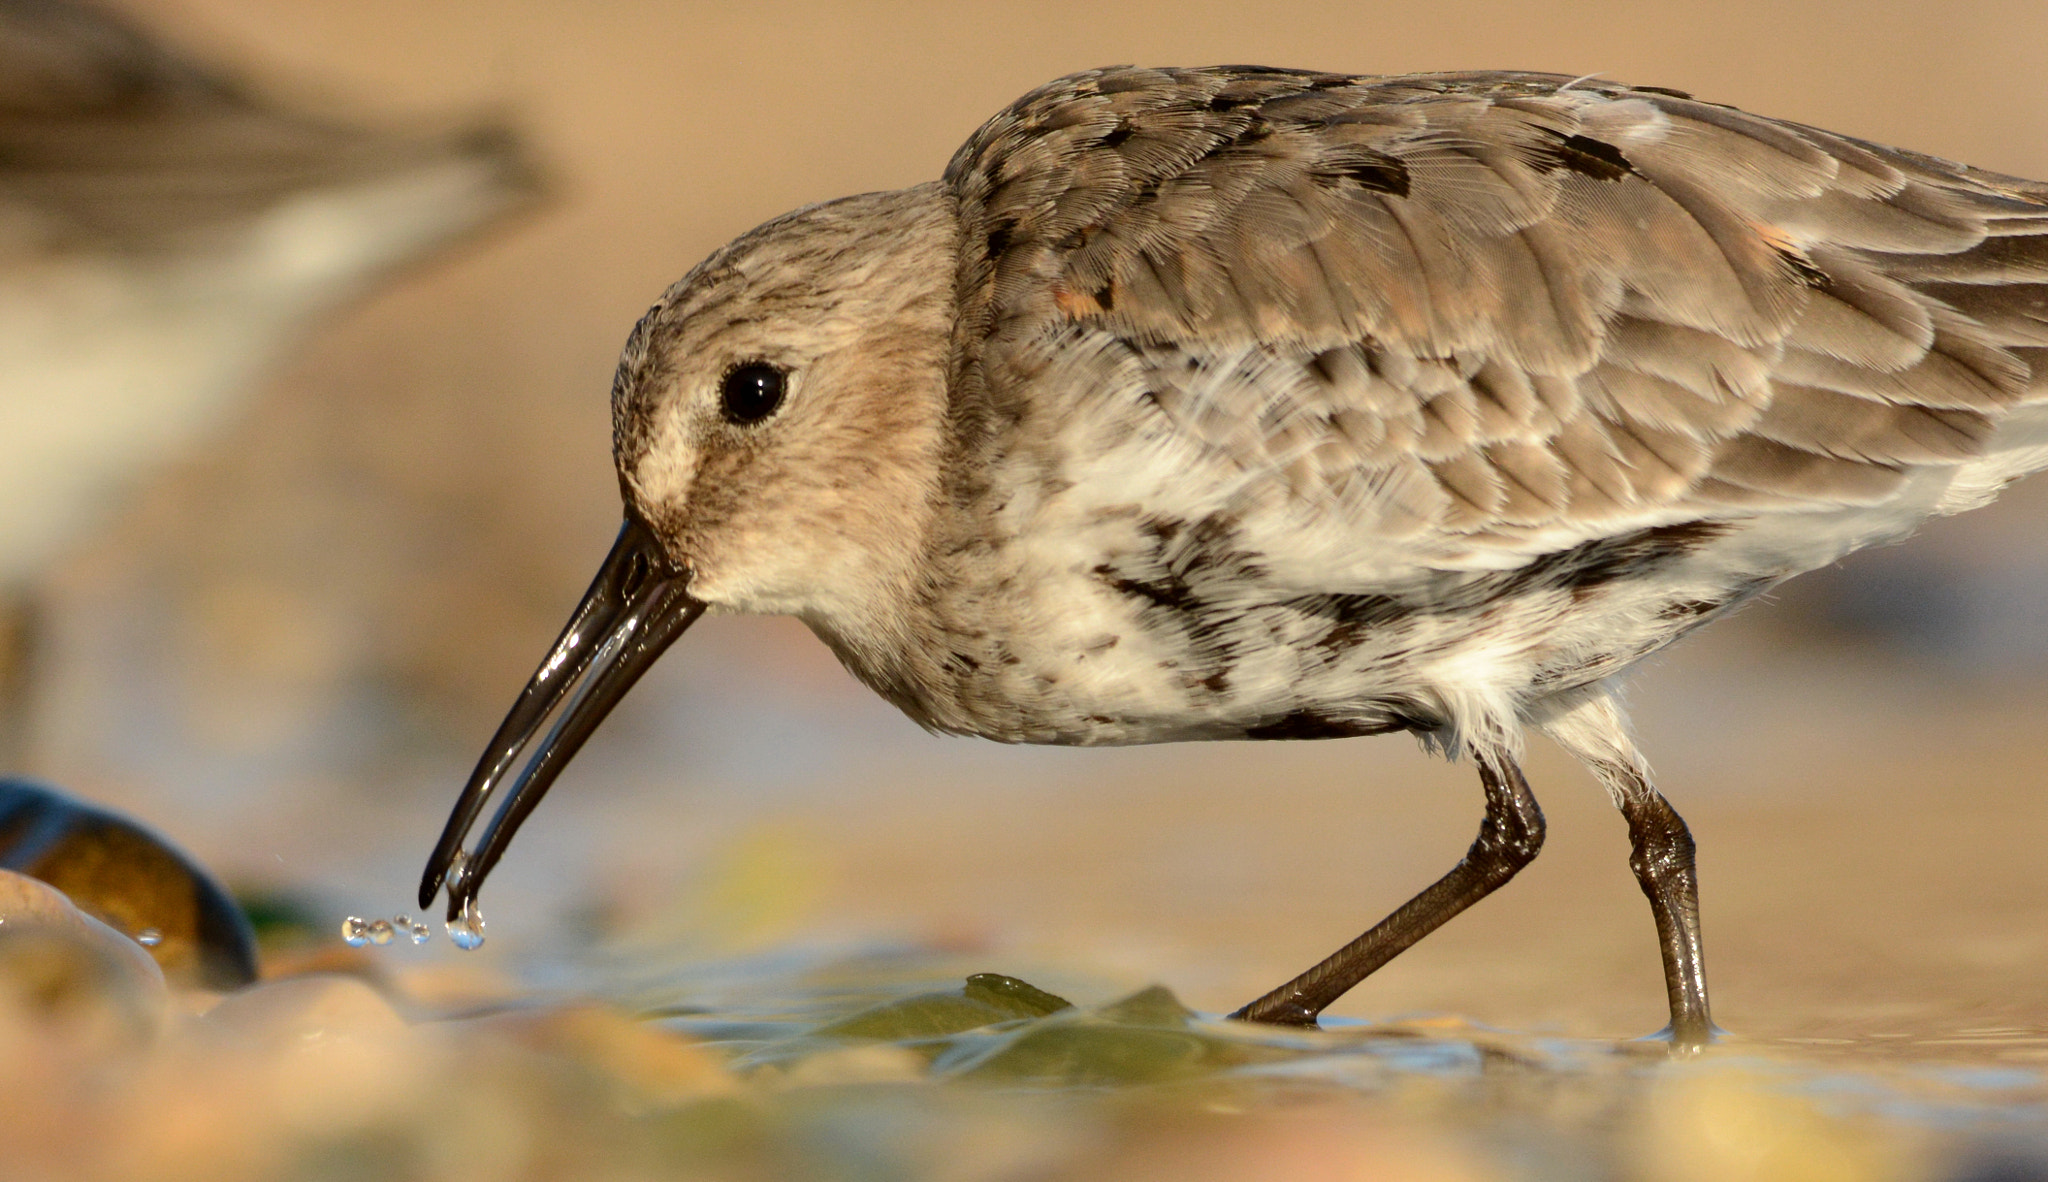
635	608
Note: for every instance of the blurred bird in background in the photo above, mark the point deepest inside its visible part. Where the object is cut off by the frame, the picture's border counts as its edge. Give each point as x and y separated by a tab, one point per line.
166	233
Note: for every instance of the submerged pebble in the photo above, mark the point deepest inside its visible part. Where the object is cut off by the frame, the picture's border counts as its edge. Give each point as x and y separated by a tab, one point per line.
986	999
130	878
63	971
300	1010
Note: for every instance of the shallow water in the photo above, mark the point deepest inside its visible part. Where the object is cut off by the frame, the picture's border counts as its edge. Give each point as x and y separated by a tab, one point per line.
788	994
874	1063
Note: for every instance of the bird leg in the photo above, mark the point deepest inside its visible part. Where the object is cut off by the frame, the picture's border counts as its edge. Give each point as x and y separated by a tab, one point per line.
1663	861
1591	727
1508	840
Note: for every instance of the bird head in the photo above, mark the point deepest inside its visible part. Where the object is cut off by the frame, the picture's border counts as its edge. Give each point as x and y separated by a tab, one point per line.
778	419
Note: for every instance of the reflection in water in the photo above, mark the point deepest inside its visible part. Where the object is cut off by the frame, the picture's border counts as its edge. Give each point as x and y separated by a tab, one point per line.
897	1064
996	1053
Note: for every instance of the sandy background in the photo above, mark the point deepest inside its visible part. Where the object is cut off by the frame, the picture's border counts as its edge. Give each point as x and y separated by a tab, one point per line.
287	650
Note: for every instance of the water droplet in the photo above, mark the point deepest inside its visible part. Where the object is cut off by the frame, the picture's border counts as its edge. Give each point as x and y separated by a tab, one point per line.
355	931
419	932
467	929
149	937
380	931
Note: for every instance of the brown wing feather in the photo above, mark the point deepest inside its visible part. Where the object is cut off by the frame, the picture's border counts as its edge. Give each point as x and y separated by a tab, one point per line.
1569	301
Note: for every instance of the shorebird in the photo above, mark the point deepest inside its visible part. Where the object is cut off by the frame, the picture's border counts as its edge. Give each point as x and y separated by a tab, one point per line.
166	232
1239	402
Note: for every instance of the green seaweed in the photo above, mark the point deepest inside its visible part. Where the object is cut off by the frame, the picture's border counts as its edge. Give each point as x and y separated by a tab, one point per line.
1154	1005
984	1000
1148	1037
1024	999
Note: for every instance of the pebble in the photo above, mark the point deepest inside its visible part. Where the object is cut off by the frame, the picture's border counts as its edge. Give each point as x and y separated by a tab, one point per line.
130	878
302	1010
66	974
649	1066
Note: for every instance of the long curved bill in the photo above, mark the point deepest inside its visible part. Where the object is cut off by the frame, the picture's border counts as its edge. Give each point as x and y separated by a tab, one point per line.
635	608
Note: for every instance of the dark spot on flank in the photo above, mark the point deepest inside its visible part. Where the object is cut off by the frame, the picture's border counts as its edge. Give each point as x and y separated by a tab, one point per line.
1687	609
1185	583
1591	565
1351	618
1106	295
1118	134
963	661
1173	594
1582	154
1695	611
1307	724
1803	270
1217	682
1163	528
999	238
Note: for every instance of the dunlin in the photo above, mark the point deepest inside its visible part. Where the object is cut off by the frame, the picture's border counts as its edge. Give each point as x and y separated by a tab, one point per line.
166	232
1249	403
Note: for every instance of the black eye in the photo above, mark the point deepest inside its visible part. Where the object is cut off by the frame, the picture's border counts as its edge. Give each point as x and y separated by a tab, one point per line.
751	392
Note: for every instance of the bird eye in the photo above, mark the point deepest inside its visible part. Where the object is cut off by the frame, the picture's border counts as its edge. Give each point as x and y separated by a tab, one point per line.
752	392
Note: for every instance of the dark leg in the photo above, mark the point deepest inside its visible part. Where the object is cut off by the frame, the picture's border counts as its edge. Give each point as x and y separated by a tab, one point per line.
1663	862
1508	840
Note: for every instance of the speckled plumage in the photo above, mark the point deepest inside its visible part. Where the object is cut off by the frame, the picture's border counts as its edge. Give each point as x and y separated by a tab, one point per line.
1301	404
1239	402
